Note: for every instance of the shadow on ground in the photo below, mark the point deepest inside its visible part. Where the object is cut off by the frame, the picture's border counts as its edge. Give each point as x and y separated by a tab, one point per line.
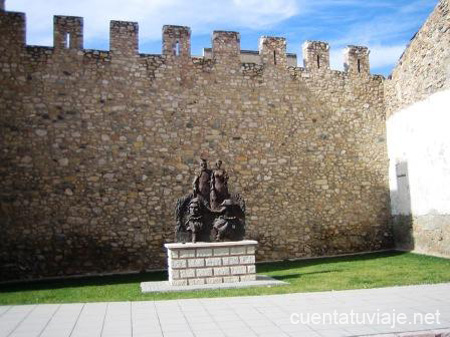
162	275
289	264
84	281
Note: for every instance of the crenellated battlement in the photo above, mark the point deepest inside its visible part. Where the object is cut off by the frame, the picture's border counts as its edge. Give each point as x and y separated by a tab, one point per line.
12	32
226	47
67	32
176	41
124	38
273	51
357	60
316	55
176	45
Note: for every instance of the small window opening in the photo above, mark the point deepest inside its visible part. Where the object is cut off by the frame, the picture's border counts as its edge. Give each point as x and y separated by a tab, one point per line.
318	61
67	40
176	48
274	57
359	65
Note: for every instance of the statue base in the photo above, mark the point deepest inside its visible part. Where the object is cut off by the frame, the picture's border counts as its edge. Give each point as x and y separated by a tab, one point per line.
211	262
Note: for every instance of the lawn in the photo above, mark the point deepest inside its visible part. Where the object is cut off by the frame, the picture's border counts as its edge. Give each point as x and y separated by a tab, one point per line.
363	271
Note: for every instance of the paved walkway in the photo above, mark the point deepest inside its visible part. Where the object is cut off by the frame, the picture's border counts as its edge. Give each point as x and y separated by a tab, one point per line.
238	316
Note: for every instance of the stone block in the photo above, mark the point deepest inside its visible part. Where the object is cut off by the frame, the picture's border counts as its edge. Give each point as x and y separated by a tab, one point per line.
179	283
239	250
214	280
175	273
204	252
220	271
186	253
244	278
196	281
251	269
222	251
230	279
174	254
226	261
251	250
185	273
196	263
236	270
247	259
176	264
204	272
213	261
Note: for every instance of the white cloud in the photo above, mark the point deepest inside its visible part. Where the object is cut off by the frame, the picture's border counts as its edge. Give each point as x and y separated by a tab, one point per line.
382	56
337	58
201	16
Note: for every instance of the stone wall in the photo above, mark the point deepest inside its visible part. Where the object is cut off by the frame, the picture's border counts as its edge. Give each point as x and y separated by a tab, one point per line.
252	56
424	67
211	263
98	145
417	103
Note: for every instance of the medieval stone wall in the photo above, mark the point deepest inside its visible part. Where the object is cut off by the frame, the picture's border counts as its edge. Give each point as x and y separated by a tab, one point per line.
96	147
424	67
417	103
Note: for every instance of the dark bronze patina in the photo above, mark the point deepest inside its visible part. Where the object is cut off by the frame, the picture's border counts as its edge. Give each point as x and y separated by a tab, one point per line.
210	212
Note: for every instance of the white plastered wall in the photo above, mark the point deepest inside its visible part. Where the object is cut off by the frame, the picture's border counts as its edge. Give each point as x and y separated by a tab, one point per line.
419	153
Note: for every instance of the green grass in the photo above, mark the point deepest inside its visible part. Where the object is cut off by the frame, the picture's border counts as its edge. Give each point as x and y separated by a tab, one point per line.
363	271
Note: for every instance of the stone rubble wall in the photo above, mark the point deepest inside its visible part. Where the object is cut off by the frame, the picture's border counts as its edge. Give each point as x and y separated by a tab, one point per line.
417	105
96	147
251	56
424	67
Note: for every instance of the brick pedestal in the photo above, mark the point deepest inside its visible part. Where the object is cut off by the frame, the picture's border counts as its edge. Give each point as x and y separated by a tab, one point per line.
211	262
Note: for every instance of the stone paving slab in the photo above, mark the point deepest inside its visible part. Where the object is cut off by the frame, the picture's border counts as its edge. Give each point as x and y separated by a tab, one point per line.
261	316
164	286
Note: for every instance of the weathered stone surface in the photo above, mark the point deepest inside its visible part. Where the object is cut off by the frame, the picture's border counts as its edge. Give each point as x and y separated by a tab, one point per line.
220	269
244	278
196	262
230	260
187	253
214	280
187	273
125	130
238	270
231	279
204	272
181	282
221	251
196	281
204	252
211	262
237	250
247	259
176	264
175	274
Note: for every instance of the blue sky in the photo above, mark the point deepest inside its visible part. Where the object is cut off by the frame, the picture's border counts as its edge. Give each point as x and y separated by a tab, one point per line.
385	26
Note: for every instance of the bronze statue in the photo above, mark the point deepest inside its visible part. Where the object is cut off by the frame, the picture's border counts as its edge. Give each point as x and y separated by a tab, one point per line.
228	225
202	181
210	212
219	186
194	224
